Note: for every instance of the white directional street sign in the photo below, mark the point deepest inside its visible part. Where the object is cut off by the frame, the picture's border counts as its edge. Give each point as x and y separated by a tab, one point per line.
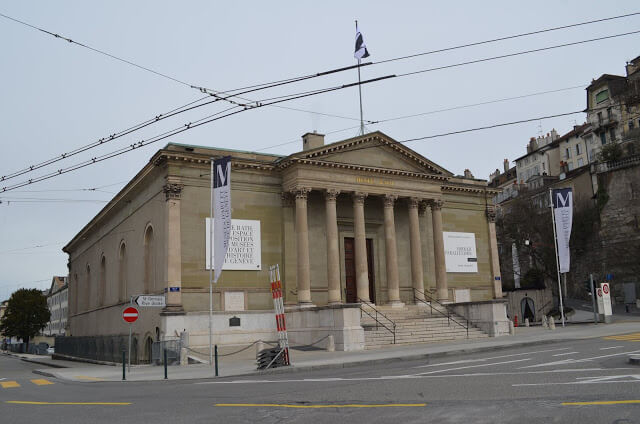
150	300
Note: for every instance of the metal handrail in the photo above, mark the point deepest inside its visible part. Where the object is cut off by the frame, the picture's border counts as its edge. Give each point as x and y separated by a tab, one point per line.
375	318
448	314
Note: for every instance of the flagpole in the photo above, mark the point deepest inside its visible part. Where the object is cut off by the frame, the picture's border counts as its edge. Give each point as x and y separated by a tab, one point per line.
211	272
360	93
555	244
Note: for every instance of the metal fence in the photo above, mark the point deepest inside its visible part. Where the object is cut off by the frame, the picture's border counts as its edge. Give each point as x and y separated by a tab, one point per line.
99	348
172	347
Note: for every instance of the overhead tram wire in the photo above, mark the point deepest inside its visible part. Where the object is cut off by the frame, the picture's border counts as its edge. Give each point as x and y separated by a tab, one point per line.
211	118
255	104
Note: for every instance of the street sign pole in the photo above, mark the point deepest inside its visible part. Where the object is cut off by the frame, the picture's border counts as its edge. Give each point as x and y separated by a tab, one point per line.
129	348
593	298
130	315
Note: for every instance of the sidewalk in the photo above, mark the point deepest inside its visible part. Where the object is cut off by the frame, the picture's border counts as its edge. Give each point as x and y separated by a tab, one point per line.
244	363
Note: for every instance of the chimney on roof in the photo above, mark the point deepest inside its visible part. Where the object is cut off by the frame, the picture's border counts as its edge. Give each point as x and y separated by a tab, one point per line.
506	165
312	140
468	174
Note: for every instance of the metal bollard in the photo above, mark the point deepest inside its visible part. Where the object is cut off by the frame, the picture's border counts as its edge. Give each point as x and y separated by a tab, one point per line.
526	322
545	323
215	350
165	363
124	362
331	344
552	323
512	328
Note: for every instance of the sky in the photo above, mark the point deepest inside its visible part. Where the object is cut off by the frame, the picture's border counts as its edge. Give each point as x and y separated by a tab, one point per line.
57	96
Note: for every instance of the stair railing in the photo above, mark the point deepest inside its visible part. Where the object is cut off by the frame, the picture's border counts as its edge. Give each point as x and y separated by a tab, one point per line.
446	307
378	314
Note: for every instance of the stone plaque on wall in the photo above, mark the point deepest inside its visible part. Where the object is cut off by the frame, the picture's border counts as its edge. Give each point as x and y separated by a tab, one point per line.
234	301
244	246
460	252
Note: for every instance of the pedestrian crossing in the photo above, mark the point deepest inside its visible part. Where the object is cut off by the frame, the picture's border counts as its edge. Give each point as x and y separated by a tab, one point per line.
632	337
12	384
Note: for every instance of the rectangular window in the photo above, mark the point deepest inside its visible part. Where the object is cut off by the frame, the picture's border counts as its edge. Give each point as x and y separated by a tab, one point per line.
570	166
578	149
567	154
631	125
609	112
580	162
603	138
599	117
602	96
612	134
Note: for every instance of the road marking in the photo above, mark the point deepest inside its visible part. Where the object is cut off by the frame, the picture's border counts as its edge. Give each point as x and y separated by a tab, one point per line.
23	402
611	347
491	358
86	377
601	402
566	353
634	378
631	337
9	384
353	405
474	366
574	361
41	382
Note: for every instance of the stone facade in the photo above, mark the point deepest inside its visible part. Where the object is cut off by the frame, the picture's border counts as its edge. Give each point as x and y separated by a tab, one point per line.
391	202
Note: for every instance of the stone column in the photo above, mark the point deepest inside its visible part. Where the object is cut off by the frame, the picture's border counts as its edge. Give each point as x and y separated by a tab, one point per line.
442	292
362	269
302	245
391	250
495	259
417	276
173	193
289	260
333	252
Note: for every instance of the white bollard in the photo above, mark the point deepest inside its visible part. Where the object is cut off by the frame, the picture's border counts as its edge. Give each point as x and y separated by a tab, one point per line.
552	323
545	323
512	328
184	360
331	344
526	322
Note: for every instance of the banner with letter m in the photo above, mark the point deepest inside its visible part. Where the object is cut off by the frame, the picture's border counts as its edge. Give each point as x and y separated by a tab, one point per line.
221	212
562	199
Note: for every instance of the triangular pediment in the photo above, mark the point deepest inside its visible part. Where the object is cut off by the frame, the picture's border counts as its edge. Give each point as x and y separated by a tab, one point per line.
375	150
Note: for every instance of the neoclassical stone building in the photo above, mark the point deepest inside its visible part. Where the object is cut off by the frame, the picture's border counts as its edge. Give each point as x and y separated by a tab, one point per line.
364	219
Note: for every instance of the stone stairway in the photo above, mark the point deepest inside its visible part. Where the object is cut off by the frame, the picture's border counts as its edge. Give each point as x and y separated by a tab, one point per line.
414	324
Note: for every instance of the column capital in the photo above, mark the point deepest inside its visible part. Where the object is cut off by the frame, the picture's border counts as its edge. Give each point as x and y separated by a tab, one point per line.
287	199
436	204
389	200
422	209
331	194
172	191
491	214
301	192
358	197
413	202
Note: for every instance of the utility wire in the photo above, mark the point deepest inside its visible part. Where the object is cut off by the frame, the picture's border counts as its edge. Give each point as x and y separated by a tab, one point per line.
211	118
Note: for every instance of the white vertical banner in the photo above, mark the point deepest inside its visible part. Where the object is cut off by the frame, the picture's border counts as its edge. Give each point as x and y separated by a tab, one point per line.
562	199
221	212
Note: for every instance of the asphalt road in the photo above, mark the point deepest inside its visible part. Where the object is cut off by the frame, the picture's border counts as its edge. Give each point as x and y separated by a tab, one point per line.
588	381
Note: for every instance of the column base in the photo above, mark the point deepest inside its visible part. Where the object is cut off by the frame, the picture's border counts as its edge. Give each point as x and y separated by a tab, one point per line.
335	302
395	304
172	310
306	305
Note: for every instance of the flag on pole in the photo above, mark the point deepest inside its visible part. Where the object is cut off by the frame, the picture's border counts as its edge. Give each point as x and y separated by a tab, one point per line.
563	213
222	212
361	49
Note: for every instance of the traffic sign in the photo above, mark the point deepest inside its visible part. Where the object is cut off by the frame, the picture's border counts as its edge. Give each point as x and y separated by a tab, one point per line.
599	292
150	300
605	288
130	314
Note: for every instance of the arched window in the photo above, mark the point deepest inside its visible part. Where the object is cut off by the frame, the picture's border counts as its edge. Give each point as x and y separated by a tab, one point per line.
102	290
122	273
149	274
87	290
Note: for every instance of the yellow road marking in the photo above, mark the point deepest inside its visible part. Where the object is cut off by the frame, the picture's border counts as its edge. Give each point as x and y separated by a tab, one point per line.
86	377
9	384
41	382
601	402
634	337
282	405
23	402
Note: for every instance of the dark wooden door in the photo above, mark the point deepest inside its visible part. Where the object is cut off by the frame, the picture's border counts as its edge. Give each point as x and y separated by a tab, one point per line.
350	270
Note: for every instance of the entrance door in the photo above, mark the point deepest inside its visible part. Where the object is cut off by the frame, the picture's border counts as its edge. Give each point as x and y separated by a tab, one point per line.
350	270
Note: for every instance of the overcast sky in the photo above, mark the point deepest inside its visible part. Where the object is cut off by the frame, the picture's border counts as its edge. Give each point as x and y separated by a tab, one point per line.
56	96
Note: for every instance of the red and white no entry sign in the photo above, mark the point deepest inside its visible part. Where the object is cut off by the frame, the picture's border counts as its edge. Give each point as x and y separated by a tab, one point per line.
605	288
599	292
130	314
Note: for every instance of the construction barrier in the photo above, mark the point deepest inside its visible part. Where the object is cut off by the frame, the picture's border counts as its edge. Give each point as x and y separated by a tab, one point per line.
281	326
